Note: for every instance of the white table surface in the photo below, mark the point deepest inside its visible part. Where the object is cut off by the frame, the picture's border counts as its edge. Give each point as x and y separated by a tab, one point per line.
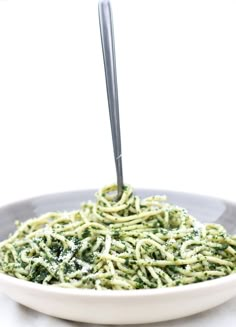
13	314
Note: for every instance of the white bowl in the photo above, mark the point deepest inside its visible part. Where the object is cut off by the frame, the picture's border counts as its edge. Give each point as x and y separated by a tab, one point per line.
119	307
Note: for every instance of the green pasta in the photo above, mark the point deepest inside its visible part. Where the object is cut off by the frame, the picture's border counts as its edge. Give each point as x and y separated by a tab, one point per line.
130	244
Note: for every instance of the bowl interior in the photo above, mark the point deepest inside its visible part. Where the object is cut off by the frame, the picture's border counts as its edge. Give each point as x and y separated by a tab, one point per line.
206	209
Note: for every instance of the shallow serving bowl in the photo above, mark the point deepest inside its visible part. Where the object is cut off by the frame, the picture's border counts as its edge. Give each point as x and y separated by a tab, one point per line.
119	307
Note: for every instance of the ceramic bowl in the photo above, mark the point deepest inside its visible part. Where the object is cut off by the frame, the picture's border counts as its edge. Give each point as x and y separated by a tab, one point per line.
111	306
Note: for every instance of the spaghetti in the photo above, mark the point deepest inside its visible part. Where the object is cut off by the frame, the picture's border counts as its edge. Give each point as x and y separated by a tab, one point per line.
130	244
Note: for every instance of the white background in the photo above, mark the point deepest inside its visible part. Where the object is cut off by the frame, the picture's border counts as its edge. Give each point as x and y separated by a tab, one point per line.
176	63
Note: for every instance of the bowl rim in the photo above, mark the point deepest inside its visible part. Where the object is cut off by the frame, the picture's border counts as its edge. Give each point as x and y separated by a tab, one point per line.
117	293
94	190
